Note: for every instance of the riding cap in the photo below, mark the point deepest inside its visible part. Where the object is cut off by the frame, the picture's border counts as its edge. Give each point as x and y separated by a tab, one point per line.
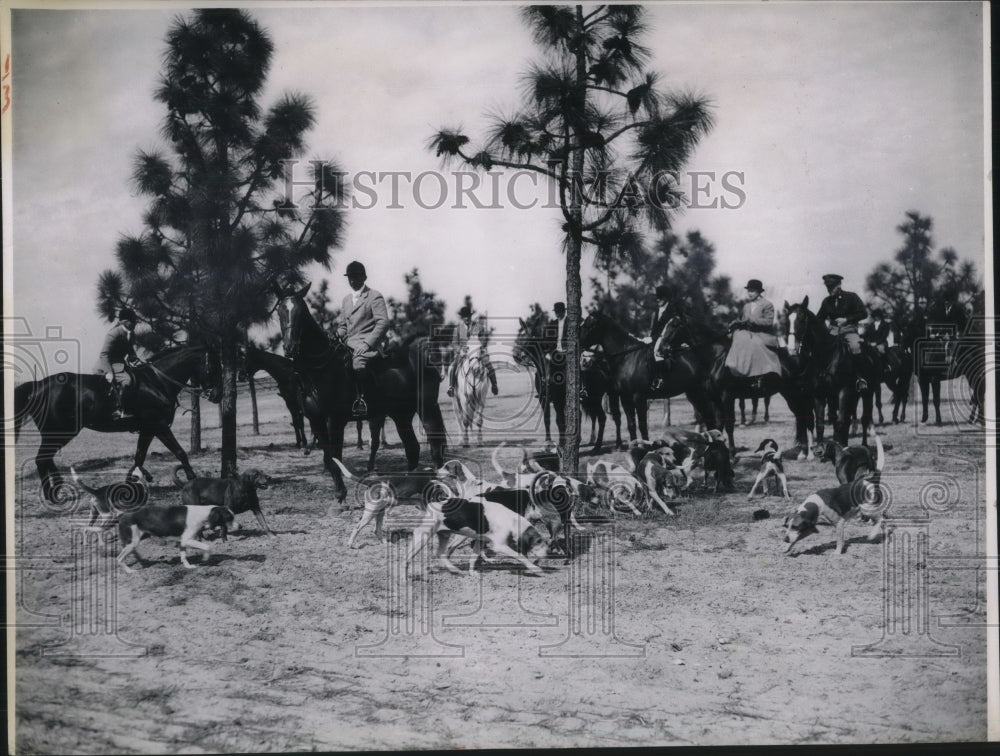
465	312
127	313
356	269
754	285
835	277
662	291
559	306
878	312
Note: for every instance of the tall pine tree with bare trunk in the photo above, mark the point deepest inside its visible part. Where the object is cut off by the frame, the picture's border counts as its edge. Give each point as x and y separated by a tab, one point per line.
221	225
594	122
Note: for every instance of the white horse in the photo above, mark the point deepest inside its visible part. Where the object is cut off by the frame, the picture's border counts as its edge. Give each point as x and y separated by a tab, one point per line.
471	386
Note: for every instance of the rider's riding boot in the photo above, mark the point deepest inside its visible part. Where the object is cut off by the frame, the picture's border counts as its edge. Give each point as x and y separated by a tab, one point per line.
657	376
860	367
119	412
362	383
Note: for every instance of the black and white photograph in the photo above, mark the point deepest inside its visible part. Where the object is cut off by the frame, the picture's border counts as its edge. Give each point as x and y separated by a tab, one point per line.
410	375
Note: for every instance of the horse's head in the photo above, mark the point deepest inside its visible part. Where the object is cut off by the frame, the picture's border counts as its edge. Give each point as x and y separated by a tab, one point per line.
210	376
293	314
590	330
795	323
676	331
529	345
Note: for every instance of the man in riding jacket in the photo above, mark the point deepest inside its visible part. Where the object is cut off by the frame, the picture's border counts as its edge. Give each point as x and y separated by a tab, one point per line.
753	351
465	331
842	311
661	315
119	347
876	330
364	319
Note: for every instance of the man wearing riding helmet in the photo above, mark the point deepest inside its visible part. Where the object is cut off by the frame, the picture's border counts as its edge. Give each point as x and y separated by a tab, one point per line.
118	348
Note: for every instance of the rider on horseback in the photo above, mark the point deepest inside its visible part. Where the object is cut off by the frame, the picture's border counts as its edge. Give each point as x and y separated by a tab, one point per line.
664	311
463	333
364	320
118	349
753	351
876	331
843	310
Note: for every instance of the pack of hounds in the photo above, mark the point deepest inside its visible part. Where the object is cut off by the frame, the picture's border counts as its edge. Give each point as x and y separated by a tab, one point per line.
525	515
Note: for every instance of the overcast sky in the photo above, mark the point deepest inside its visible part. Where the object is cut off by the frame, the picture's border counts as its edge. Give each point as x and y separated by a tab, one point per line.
839	116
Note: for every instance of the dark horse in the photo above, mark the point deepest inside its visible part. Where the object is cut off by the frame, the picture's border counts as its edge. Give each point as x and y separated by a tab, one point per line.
62	405
630	364
406	384
947	348
281	369
709	349
533	348
595	382
829	372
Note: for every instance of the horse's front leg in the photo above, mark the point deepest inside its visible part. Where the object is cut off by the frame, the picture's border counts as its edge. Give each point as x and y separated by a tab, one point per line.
602	420
375	426
333	447
167	438
936	393
819	415
404	427
642	415
866	417
629	409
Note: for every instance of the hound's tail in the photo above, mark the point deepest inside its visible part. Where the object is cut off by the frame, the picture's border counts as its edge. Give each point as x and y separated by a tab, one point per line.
348	475
496	460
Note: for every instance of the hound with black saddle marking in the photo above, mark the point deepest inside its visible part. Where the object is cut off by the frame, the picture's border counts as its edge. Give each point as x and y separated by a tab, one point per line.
487	523
238	495
772	469
850	462
383	491
836	505
177	521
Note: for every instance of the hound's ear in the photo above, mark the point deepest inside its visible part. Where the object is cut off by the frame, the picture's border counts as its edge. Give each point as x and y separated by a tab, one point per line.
784	522
304	290
276	289
524	326
787	306
805	302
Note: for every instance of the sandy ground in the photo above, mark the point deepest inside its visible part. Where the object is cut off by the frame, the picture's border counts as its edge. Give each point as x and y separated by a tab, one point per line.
694	629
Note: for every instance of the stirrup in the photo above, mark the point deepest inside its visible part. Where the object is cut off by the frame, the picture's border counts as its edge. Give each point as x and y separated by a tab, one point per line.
359	409
120	415
657	384
451	391
861	385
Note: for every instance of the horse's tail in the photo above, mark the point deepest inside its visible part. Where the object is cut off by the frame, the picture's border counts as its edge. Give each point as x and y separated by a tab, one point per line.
24	398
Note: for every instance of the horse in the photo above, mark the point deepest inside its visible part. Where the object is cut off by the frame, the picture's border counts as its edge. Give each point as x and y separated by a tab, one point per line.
281	369
406	383
828	372
63	404
947	351
595	382
630	362
471	386
533	348
709	349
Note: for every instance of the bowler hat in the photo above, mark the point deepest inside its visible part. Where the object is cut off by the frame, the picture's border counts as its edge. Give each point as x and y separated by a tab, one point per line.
559	306
127	313
754	285
355	269
662	291
465	311
833	277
